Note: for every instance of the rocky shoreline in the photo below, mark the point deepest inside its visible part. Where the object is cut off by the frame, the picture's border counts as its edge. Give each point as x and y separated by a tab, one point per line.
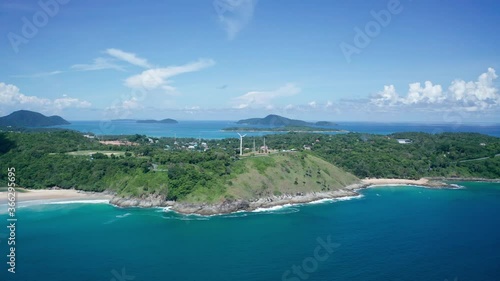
232	206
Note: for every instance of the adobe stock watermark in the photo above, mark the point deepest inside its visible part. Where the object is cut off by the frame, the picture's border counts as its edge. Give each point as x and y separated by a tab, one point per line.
223	6
310	264
121	276
364	36
31	26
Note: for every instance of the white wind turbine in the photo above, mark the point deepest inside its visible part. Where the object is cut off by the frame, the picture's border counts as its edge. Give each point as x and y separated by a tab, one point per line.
241	143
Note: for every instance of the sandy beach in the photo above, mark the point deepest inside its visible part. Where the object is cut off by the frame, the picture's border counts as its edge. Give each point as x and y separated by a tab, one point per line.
57	194
373	181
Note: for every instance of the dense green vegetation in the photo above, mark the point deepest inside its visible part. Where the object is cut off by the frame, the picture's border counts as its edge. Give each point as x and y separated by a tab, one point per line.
47	159
366	155
191	169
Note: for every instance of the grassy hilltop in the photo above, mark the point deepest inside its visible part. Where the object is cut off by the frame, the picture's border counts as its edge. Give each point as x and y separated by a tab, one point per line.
281	173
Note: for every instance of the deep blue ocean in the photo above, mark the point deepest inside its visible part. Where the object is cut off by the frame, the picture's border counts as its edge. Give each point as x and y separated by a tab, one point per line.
389	233
213	129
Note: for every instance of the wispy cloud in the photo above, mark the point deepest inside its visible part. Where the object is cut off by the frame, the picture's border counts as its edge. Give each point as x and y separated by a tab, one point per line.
234	15
128	57
40	74
98	64
264	98
158	77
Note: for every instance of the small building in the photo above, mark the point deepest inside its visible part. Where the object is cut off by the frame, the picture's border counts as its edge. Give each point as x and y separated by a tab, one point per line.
404	141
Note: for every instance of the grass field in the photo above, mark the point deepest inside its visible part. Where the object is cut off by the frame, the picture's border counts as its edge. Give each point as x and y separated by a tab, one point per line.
90	152
287	173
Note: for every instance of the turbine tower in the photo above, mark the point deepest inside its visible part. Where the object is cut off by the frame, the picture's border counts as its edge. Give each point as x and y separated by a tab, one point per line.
241	143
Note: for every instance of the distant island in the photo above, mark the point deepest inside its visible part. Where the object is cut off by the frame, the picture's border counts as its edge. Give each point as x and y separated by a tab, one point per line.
325	123
26	118
164	121
290	129
276	120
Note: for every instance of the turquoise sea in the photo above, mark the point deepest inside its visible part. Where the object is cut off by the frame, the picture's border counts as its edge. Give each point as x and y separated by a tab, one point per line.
213	129
389	233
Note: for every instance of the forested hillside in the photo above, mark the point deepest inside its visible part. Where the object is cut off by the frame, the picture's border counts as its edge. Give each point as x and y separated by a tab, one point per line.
179	168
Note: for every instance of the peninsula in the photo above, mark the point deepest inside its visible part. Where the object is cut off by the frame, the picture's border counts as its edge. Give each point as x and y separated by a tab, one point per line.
212	176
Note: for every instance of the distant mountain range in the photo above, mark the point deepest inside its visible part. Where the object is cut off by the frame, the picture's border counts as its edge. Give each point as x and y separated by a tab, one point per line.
164	121
26	118
276	120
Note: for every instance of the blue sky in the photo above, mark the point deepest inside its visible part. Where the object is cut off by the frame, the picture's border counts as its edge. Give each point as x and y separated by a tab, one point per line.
387	60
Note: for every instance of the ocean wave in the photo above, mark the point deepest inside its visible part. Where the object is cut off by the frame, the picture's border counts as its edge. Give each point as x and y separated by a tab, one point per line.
456	186
238	214
186	218
271	209
330	200
124	215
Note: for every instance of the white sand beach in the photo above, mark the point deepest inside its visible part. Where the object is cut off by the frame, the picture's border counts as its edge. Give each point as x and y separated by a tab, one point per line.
53	194
373	181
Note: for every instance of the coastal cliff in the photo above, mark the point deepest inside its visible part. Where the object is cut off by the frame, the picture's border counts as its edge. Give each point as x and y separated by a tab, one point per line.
231	206
261	182
237	205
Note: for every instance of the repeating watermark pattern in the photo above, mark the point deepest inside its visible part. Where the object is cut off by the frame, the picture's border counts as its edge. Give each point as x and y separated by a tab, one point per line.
30	26
11	220
121	276
364	36
122	108
223	6
310	264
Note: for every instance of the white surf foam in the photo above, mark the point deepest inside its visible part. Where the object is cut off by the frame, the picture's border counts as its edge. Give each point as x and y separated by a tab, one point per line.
270	209
124	215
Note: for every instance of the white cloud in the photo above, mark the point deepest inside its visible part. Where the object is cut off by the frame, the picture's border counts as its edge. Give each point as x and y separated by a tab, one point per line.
478	95
12	99
67	102
98	64
461	95
123	108
128	57
234	15
428	94
264	99
312	104
386	97
158	77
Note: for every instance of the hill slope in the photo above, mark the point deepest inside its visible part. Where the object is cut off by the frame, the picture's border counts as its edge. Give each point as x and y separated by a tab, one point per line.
283	173
26	118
